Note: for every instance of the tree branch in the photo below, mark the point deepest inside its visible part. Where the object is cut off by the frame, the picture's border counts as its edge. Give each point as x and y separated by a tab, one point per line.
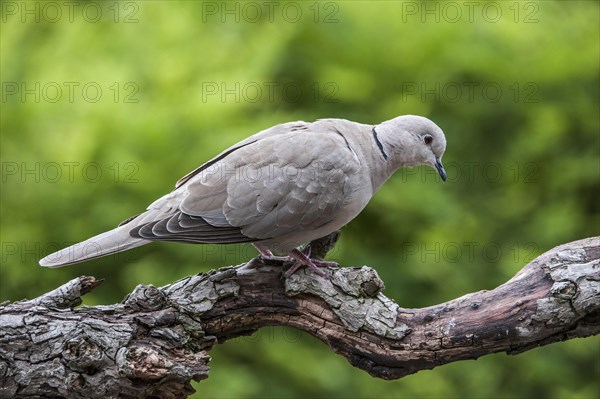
156	341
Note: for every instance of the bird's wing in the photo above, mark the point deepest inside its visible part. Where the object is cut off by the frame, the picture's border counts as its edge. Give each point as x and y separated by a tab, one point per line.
261	189
282	128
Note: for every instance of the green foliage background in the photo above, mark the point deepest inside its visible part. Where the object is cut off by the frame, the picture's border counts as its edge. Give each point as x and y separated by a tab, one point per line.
517	94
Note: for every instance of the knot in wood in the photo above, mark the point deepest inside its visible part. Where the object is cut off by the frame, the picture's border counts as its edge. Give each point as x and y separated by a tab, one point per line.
83	355
145	297
143	363
564	290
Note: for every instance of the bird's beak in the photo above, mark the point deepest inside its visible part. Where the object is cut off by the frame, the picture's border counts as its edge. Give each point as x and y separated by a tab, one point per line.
440	168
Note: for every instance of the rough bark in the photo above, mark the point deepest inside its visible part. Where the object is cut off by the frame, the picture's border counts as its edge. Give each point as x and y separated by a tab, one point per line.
156	341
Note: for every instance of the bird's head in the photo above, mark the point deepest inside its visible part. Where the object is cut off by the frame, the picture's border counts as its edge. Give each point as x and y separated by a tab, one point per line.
411	140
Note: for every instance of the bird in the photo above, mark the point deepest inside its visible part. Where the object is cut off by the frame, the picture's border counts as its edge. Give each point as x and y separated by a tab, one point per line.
277	189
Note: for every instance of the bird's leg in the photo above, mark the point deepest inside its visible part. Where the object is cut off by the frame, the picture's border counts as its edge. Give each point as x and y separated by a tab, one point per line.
318	262
266	254
304	259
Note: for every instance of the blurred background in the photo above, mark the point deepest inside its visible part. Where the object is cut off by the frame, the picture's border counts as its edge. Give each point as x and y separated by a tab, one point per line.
106	104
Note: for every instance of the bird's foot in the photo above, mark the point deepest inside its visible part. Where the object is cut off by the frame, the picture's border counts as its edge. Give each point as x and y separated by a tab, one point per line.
266	254
303	259
300	258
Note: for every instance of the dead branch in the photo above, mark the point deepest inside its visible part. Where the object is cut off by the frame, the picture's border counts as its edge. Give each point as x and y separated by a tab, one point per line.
157	340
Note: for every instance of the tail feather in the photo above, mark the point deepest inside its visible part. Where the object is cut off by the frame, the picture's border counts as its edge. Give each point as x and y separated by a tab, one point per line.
112	241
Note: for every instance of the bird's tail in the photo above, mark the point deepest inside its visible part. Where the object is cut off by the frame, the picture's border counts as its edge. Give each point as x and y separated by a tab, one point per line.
112	241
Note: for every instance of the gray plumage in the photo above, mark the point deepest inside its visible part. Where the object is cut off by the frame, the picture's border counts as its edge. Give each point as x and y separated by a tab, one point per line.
277	189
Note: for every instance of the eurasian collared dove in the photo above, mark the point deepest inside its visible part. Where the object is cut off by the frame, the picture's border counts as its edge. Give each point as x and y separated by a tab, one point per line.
278	189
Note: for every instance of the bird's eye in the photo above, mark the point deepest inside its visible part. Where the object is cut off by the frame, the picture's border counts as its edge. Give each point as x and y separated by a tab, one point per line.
427	139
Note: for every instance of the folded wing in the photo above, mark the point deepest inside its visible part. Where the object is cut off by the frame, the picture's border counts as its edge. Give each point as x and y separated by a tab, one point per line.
263	189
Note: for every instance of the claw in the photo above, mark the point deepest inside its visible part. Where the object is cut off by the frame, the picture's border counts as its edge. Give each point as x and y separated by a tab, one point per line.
300	258
297	264
303	259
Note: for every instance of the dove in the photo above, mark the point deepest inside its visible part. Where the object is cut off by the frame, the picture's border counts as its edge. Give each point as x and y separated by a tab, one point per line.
277	189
